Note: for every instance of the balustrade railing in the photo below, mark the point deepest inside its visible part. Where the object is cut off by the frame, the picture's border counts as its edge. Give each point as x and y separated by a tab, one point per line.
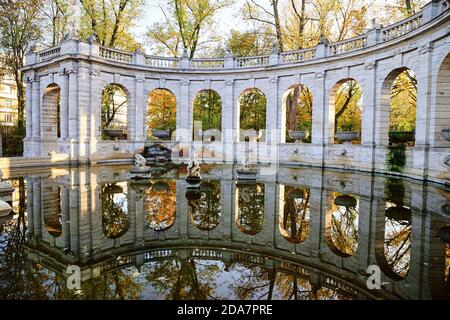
298	56
245	62
162	62
116	55
208	63
402	27
347	46
49	54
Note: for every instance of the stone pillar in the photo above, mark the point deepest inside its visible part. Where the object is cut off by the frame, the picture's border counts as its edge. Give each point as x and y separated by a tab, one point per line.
318	112
73	105
29	105
423	107
317	216
93	130
227	218
140	112
64	104
35	109
273	110
229	132
270	192
184	130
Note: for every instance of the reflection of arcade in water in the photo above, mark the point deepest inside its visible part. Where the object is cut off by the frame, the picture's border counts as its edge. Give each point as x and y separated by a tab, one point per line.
311	235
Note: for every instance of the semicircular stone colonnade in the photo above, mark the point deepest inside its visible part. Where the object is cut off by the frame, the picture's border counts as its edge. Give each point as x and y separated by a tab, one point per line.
65	86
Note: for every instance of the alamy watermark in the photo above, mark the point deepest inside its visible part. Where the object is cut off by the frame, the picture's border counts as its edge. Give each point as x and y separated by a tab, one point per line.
374	280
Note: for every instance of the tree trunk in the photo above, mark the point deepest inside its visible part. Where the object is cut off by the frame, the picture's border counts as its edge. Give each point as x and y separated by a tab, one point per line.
277	25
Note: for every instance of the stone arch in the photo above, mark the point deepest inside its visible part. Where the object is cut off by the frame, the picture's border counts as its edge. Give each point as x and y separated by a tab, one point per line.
295	216
252	106
342	224
392	224
249	215
205	206
115	103
114	207
161	114
51	208
440	120
207	110
345	109
297	104
391	131
160	205
51	113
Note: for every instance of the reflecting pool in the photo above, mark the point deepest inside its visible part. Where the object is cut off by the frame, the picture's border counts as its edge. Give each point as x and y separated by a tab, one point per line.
302	233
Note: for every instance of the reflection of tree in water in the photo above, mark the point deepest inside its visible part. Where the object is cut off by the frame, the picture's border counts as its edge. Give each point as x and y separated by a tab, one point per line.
397	240
206	207
187	279
344	223
118	285
250	209
296	221
115	221
254	283
20	278
160	205
292	287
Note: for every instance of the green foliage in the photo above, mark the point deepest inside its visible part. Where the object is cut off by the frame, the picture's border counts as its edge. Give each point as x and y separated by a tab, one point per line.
348	106
396	158
252	110
208	109
403	102
162	108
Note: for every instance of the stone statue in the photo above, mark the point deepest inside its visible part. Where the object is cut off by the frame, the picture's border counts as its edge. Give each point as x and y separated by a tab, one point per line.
193	177
139	160
140	169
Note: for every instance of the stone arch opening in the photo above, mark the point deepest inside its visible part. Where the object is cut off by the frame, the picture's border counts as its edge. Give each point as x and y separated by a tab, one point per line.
252	115
205	206
114	113
297	114
393	232
295	217
51	208
207	115
51	113
341	224
160	205
114	204
249	216
161	116
441	120
346	107
399	101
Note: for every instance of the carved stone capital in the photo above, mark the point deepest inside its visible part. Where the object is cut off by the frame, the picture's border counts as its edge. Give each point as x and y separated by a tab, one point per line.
425	48
370	65
185	82
320	74
229	82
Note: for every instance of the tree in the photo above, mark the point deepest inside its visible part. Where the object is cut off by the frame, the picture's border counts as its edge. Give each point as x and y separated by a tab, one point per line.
19	28
271	17
162	108
111	21
185	22
56	13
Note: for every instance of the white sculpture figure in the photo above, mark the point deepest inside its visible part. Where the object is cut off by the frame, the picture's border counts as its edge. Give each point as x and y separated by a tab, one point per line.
193	177
140	170
193	169
139	160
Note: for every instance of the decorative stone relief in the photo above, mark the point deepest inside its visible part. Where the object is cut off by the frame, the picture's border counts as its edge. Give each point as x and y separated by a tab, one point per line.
185	82
426	48
371	65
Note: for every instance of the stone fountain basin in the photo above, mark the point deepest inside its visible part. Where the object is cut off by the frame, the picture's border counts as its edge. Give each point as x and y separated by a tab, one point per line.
347	136
298	136
251	135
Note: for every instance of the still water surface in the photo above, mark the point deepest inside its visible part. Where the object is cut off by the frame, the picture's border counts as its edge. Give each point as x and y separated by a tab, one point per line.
299	234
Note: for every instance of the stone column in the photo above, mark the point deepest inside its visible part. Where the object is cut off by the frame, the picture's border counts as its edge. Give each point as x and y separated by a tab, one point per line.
73	105
368	113
423	107
227	218
35	109
93	132
84	97
140	112
318	112
64	104
29	105
184	129
229	131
